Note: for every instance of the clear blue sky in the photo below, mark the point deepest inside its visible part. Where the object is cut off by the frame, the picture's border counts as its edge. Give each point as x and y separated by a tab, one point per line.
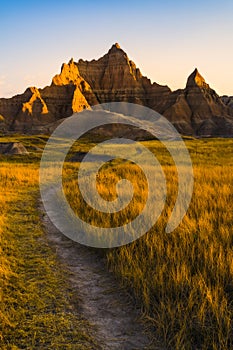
166	39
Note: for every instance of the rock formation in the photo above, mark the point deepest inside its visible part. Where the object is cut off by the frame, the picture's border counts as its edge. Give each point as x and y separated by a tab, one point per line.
12	148
196	110
115	78
228	100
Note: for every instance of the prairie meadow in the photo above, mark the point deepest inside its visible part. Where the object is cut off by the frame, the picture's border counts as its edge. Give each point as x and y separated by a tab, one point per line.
182	281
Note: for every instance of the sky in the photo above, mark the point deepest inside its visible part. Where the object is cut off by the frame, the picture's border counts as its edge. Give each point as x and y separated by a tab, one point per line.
166	39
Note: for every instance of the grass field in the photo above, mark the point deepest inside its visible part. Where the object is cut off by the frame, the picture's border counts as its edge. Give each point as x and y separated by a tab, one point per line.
36	311
183	281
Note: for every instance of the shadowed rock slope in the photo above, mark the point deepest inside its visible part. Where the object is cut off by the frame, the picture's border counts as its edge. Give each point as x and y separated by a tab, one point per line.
198	110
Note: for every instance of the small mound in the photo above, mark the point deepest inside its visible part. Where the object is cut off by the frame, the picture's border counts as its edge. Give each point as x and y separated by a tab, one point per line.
12	148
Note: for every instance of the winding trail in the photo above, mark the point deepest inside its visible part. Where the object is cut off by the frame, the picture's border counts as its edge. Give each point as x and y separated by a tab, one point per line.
104	303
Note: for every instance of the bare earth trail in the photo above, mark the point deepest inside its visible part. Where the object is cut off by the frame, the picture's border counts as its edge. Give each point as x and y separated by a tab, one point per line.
104	303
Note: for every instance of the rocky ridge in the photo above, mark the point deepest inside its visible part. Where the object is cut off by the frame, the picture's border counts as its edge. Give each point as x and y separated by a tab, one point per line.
195	110
198	110
228	100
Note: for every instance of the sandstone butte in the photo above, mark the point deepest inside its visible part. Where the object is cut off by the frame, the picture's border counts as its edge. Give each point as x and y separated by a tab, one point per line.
196	110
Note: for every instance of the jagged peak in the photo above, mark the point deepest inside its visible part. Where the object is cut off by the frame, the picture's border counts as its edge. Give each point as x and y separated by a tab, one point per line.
69	74
116	48
71	61
196	79
32	90
71	65
117	45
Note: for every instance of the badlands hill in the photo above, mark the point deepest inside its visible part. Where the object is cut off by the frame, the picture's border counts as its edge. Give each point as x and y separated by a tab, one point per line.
195	110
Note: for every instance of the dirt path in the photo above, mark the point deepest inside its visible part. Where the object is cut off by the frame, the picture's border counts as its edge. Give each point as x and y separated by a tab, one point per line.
104	304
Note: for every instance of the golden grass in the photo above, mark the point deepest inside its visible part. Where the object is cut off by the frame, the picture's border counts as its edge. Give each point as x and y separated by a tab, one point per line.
36	311
183	281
